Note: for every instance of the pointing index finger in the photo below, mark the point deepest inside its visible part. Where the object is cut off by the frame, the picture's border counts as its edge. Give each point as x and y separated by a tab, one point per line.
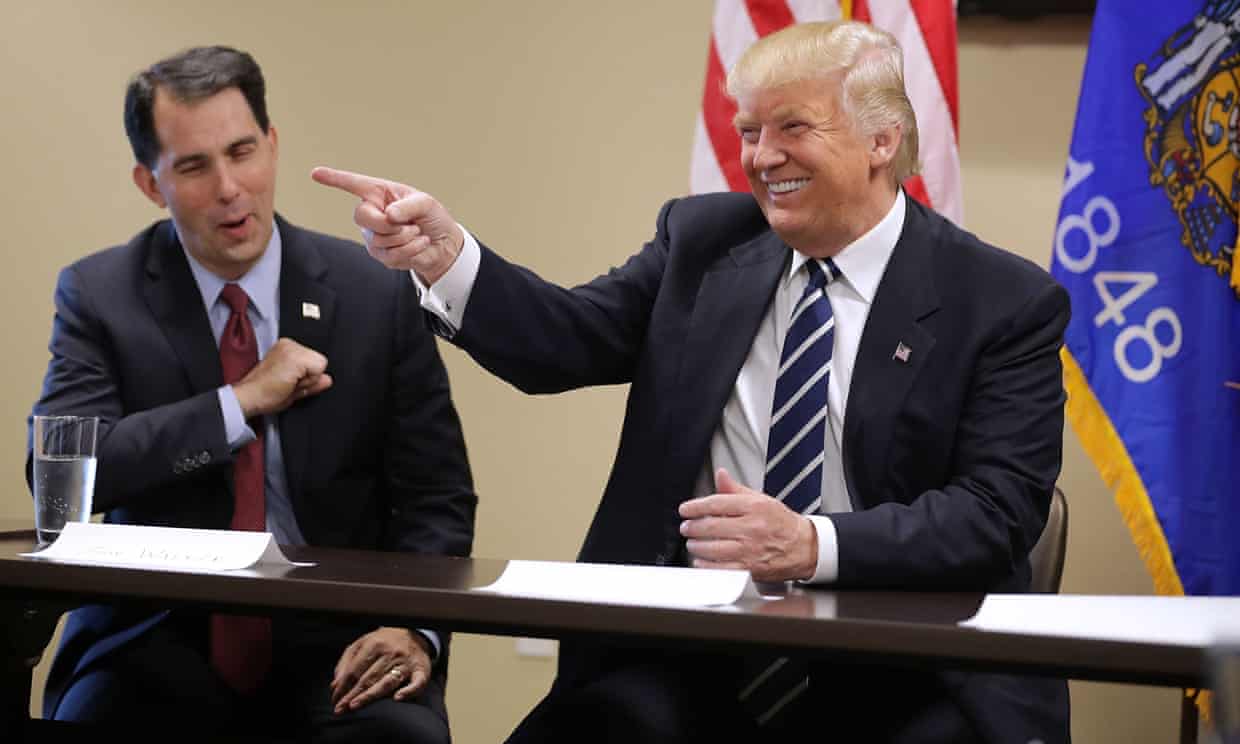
361	186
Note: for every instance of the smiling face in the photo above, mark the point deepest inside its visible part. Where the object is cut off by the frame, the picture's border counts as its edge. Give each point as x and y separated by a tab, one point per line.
216	174
820	182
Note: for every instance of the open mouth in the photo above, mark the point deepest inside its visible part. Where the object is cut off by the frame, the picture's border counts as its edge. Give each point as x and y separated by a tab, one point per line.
787	187
236	224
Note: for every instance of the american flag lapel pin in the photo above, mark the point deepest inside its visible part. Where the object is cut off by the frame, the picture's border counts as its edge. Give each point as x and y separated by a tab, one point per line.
309	310
902	353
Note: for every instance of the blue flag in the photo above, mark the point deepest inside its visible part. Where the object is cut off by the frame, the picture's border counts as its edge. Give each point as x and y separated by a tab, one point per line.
1146	246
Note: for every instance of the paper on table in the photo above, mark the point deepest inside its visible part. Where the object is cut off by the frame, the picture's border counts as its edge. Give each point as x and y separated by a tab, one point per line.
1187	621
659	586
168	548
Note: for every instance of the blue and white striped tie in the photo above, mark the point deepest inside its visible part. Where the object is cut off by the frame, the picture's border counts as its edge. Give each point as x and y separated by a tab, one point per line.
798	433
794	458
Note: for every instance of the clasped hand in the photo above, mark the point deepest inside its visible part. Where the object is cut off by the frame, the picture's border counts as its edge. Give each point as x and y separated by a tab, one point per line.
286	374
740	528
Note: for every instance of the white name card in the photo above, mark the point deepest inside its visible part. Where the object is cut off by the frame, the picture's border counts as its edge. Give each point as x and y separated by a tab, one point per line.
164	548
655	586
1181	621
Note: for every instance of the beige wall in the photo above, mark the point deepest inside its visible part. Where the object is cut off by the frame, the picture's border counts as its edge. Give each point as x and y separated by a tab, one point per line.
553	130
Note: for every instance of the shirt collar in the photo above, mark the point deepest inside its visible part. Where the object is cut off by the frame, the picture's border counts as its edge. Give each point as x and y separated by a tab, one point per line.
863	261
261	282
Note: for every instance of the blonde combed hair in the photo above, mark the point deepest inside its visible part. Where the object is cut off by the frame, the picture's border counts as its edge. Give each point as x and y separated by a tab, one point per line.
872	65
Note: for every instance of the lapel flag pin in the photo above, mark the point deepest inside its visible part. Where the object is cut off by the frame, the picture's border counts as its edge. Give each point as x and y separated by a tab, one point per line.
309	310
902	352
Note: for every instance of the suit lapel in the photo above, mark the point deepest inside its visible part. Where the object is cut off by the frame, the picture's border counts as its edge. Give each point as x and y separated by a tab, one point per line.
893	350
175	301
730	305
307	316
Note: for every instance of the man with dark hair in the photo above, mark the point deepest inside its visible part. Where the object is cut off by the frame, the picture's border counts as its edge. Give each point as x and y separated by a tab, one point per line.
191	76
249	374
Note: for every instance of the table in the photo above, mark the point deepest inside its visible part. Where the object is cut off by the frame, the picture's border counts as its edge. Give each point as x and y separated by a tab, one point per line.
914	629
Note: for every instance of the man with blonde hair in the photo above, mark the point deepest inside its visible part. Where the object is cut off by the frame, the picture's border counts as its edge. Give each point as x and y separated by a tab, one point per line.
830	384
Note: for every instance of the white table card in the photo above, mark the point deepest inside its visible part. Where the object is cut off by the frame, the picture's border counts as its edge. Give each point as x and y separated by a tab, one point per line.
1188	621
654	586
165	548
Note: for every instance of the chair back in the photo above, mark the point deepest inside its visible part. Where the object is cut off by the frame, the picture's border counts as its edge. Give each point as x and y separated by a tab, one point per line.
1223	662
1047	555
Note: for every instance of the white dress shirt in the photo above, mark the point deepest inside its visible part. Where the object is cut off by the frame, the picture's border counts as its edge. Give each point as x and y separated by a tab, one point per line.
739	442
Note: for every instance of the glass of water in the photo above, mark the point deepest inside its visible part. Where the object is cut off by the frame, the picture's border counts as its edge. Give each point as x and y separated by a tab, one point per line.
64	472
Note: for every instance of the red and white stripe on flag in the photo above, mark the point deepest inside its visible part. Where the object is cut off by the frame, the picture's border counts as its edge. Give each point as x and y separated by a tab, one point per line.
926	30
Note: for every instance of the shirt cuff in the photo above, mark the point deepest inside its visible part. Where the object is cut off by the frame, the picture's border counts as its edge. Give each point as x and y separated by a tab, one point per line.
446	298
433	638
828	569
236	431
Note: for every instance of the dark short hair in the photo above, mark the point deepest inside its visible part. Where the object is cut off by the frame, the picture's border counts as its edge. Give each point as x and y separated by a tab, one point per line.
189	76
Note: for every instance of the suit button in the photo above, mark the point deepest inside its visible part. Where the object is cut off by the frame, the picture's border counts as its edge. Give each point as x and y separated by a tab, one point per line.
177	468
660	559
204	457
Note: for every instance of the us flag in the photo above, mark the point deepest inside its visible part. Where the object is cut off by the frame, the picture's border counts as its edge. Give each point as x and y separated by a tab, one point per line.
926	30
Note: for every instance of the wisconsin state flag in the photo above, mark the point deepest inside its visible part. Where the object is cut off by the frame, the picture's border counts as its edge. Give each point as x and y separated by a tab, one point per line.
1146	245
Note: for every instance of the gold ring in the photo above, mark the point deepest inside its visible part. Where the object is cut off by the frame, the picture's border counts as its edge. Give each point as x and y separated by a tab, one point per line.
396	671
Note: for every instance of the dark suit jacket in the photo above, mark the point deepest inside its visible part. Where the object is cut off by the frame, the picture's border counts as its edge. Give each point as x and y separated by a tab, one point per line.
376	462
950	457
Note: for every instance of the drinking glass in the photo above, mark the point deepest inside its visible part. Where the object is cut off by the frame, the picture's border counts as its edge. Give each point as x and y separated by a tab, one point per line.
64	472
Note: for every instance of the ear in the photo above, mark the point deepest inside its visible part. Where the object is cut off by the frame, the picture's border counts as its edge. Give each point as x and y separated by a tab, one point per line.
274	139
884	145
144	179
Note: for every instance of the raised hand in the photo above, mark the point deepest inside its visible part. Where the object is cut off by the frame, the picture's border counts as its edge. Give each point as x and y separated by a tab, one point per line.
288	373
404	228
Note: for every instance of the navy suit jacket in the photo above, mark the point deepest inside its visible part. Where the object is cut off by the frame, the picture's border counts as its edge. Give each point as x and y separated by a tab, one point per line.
950	456
375	462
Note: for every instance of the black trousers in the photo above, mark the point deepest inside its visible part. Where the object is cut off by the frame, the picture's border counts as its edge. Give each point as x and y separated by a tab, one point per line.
685	699
692	699
161	687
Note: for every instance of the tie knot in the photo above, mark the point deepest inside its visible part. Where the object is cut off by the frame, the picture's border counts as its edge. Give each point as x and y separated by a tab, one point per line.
235	297
821	273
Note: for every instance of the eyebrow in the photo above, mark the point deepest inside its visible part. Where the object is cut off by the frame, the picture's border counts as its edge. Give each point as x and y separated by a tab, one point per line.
784	112
194	159
198	157
249	140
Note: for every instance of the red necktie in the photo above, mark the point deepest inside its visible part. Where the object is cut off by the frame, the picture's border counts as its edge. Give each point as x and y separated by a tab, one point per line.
241	645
